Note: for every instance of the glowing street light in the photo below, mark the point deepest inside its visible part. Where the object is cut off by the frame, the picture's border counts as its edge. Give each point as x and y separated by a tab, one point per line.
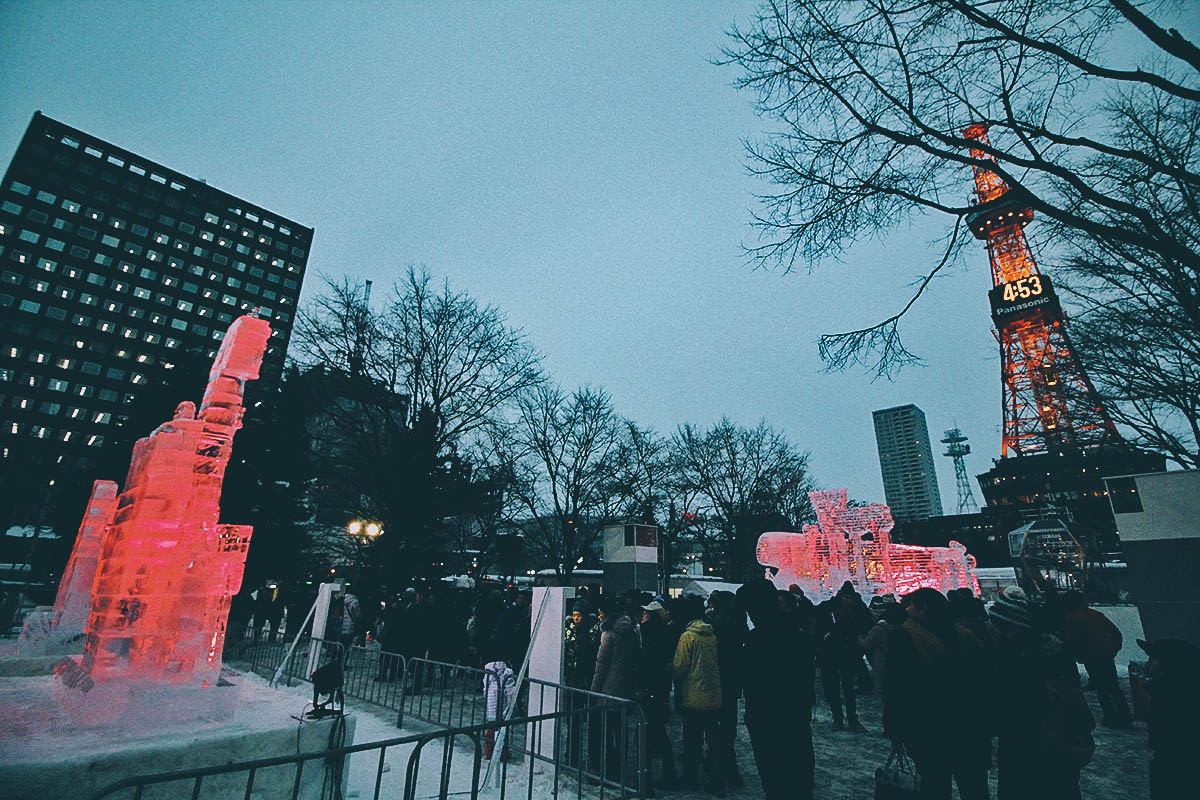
365	528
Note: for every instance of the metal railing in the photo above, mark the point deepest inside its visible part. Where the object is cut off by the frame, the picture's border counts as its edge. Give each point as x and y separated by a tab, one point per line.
602	739
605	736
369	674
541	771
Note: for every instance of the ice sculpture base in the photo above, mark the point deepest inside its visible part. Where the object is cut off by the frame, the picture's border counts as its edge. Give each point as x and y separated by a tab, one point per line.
44	753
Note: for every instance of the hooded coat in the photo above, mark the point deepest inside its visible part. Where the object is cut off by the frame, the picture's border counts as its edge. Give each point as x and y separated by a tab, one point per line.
696	666
617	659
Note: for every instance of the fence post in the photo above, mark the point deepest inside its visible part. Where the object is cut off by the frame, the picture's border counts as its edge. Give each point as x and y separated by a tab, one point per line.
403	691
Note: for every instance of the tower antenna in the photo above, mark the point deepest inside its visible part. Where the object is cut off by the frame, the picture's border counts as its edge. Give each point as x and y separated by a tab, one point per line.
957	448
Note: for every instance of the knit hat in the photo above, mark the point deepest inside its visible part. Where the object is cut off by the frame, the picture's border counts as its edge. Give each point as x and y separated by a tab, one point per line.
1011	608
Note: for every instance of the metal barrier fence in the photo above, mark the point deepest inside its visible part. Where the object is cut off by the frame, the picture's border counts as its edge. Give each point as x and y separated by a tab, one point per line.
543	773
601	740
604	736
370	675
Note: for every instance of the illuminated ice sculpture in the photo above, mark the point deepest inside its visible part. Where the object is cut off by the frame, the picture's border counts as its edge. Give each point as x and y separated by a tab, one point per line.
59	629
167	568
852	543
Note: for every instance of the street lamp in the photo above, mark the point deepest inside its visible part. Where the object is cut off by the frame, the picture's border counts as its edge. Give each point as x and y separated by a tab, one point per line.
364	528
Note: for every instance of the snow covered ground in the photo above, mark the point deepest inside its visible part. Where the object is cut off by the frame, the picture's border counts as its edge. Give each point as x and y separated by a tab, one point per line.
376	723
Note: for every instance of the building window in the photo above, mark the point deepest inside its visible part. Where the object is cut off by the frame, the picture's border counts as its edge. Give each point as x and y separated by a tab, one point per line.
19	187
57	385
30	306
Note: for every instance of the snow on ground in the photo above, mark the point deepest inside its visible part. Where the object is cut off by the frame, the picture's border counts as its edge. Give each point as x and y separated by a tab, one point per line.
376	724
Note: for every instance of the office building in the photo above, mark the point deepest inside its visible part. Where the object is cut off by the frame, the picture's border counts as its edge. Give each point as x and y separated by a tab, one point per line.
112	270
906	461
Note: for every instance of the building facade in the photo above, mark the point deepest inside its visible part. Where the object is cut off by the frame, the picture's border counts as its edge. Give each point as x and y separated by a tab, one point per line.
112	269
906	461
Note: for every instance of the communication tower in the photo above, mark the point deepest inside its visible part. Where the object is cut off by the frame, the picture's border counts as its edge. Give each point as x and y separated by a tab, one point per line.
1050	405
957	448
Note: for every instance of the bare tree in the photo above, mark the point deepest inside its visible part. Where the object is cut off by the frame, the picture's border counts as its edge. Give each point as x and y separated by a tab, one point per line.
400	391
563	449
743	481
1091	106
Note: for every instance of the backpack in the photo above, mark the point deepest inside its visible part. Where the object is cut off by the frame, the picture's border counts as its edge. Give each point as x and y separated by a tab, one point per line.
1064	731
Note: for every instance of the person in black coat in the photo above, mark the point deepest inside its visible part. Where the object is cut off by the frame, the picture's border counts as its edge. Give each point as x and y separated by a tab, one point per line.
778	669
729	624
840	621
936	674
654	689
1174	709
1044	725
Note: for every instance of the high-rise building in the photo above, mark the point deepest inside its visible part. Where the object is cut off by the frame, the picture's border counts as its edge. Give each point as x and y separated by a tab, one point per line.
906	460
112	270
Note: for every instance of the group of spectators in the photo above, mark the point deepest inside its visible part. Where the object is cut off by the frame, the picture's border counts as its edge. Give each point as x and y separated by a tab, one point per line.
963	686
960	683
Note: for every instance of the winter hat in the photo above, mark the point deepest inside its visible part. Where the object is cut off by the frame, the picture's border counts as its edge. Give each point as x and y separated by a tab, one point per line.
1176	654
1011	608
656	607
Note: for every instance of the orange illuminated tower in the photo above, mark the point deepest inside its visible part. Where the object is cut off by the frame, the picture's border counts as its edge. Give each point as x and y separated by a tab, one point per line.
1050	405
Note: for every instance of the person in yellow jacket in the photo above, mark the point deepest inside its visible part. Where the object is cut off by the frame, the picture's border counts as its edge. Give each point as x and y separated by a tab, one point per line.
699	675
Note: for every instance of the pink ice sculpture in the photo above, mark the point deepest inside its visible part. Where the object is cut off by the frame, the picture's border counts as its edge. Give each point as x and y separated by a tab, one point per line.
853	544
167	568
59	630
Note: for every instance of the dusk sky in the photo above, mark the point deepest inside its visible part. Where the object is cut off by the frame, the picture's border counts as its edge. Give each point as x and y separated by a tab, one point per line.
580	166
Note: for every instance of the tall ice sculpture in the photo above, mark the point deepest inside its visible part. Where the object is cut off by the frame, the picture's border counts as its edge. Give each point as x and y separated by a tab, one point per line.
167	569
853	543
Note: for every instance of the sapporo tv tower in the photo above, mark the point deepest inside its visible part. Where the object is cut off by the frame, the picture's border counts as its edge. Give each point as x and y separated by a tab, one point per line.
1050	405
1058	439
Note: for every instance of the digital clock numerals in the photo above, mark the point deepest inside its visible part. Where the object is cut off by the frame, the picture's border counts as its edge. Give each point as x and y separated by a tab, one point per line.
1022	289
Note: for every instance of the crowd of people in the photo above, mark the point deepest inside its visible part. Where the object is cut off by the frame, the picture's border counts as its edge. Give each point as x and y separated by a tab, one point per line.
964	687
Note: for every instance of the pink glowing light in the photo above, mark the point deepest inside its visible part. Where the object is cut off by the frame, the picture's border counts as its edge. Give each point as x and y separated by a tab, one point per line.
62	630
167	568
853	544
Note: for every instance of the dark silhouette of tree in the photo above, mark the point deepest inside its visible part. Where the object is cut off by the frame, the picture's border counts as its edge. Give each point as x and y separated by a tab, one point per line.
563	449
743	481
401	392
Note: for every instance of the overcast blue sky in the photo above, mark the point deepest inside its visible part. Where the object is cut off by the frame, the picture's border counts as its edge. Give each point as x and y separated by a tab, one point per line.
578	165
